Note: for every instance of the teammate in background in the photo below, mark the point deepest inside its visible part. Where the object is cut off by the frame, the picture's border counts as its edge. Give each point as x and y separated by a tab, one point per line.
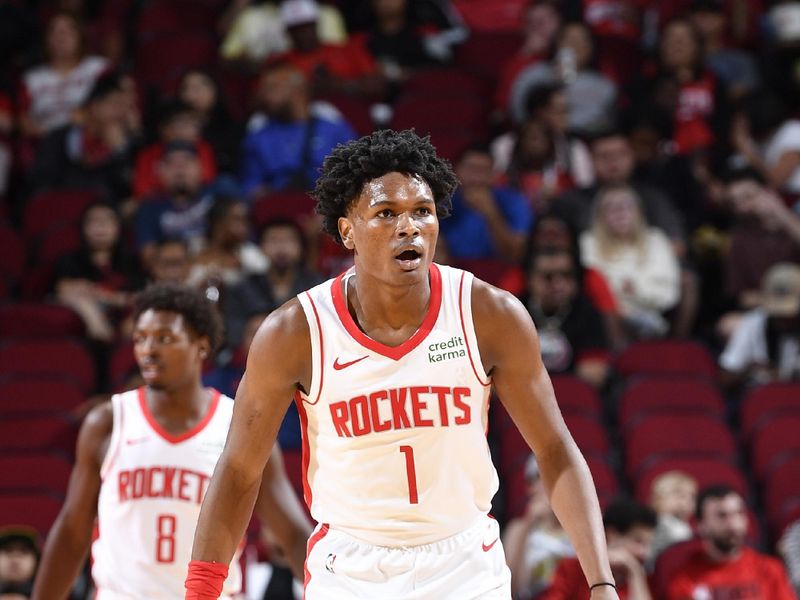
144	461
391	365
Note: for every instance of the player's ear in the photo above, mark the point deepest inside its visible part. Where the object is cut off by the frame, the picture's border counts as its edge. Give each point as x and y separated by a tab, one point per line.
205	348
346	233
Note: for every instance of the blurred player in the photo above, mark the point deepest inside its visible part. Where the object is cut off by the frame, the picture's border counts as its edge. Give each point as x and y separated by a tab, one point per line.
144	462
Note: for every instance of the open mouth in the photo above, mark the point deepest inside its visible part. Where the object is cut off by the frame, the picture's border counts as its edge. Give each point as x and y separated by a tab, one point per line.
409	259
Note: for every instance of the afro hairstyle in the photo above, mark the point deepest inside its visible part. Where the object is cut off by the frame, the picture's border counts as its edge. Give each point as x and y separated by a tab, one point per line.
198	312
350	166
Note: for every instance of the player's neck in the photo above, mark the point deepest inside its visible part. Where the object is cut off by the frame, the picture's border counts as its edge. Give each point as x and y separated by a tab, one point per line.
180	402
377	305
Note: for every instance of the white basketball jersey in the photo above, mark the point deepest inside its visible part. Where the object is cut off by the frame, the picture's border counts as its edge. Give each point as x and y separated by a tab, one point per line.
152	486
394	438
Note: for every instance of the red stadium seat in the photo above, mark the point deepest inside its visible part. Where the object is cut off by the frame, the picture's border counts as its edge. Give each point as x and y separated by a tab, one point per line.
589	434
354	109
486	53
58	241
282	204
121	365
37	394
575	395
706	471
55	207
772	442
13	258
38	433
667	357
673	436
39	319
782	490
663	395
38	511
452	143
162	59
669	561
605	480
42	472
37	281
48	357
177	16
768	402
446	82
429	114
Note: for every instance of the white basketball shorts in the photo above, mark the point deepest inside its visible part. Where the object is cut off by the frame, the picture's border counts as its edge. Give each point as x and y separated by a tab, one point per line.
468	565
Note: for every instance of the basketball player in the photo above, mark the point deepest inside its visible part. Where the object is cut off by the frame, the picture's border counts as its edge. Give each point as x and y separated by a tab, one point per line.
144	461
391	365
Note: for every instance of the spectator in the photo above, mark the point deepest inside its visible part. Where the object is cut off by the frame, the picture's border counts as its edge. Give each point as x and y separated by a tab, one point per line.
96	153
488	221
19	557
178	122
724	567
571	331
620	29
171	262
285	151
638	260
229	256
535	542
764	233
97	280
590	95
769	139
283	244
52	91
765	346
629	531
346	67
201	91
180	210
673	496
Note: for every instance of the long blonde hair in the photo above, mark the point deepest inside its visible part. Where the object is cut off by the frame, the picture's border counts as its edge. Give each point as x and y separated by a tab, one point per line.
607	243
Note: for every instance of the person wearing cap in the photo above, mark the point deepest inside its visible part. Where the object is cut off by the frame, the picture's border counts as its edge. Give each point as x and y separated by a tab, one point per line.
766	344
19	556
535	542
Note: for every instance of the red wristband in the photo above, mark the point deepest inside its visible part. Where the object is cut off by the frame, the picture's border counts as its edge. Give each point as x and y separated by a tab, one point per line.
205	579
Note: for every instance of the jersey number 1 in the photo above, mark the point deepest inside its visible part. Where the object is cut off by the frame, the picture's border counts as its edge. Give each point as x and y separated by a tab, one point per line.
165	539
411	472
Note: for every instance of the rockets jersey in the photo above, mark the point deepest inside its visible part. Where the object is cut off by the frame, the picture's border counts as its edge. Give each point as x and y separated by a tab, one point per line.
153	483
394	438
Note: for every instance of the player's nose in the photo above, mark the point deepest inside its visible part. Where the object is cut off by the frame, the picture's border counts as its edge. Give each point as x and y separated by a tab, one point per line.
407	226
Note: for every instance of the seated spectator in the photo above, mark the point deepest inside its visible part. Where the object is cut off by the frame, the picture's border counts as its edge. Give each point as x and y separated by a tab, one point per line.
590	95
19	557
253	30
571	331
769	139
618	29
178	122
346	68
96	153
180	210
52	91
673	496
488	221
171	262
535	542
286	150
98	279
764	233
629	532
283	244
202	92
724	567
229	256
638	260
765	346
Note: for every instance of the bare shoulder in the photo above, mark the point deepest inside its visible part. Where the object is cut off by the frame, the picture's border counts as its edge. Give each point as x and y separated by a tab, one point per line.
96	432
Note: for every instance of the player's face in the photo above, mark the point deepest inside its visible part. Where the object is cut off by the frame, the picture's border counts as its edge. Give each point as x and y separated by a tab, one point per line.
168	354
392	227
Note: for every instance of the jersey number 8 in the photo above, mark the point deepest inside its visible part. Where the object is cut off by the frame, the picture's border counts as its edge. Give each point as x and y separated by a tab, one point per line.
165	539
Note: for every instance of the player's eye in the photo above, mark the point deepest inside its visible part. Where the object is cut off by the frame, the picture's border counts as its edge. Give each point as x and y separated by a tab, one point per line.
424	210
385	213
164	339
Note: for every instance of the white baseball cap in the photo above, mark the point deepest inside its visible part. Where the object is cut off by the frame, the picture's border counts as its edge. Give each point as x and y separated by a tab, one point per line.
299	12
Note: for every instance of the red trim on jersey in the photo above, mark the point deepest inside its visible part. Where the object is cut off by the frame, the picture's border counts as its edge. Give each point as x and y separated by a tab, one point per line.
464	331
182	437
115	450
321	351
396	352
301	410
312	541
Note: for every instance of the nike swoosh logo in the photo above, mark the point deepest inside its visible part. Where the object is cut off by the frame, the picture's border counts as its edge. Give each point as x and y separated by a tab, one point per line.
136	441
489	547
339	366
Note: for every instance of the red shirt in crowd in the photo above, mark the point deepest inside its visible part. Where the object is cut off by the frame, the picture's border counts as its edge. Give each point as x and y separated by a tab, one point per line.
569	583
344	61
145	175
752	576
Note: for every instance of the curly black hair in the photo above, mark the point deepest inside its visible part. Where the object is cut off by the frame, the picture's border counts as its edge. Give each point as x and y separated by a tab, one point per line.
349	166
199	313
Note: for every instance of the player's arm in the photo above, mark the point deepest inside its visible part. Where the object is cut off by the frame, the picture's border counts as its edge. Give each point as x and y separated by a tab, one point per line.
509	347
277	364
281	513
69	539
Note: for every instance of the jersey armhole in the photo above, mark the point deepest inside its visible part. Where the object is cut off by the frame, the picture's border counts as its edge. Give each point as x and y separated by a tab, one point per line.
114	443
311	310
468	328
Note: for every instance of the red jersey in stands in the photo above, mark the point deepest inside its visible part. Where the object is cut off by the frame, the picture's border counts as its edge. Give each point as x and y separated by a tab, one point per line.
569	583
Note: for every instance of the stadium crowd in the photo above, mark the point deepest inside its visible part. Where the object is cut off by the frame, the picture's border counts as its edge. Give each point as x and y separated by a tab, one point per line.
628	168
